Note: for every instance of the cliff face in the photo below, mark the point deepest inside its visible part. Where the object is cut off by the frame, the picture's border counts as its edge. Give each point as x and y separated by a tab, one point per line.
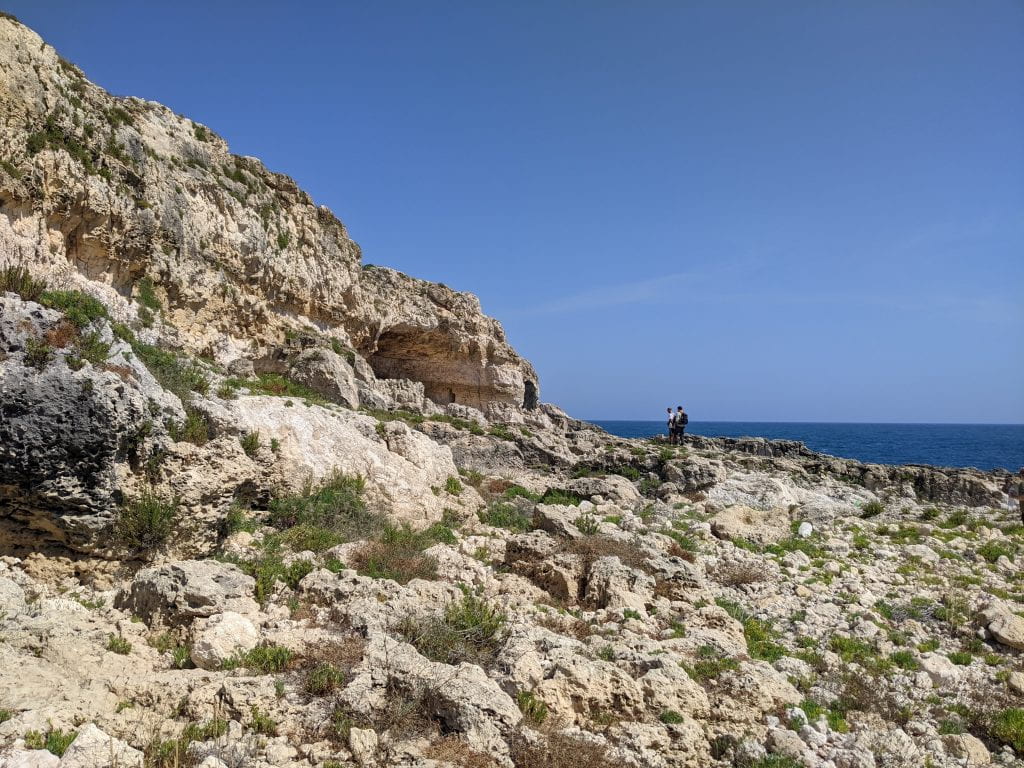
127	200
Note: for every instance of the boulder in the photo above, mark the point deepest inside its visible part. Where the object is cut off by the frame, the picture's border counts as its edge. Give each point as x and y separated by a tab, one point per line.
610	584
92	748
1008	629
29	758
968	748
326	373
761	526
179	592
614	488
221	638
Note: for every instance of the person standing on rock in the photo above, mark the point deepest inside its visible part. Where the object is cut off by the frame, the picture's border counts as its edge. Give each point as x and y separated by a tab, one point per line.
681	420
671	426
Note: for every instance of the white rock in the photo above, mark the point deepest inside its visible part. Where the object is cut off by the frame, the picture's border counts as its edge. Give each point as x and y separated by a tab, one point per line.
805	530
1008	629
29	758
92	748
363	744
220	638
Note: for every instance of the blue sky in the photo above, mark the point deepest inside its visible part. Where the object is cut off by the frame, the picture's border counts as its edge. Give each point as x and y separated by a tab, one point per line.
764	211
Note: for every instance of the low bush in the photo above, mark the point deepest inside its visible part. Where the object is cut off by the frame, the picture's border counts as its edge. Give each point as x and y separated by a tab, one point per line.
502	514
267	659
709	664
469	630
194	429
453	486
17	279
319	518
397	555
250	443
562	497
872	509
118	644
559	750
261	722
146	522
54	740
1008	728
323	679
534	710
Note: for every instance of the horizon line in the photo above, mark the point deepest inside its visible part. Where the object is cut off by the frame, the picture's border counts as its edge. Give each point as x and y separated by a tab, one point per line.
873	423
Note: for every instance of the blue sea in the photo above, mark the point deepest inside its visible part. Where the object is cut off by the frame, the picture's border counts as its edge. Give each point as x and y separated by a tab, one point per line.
983	446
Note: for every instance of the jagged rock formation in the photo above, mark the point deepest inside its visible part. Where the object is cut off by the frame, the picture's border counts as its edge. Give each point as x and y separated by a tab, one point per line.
299	553
107	193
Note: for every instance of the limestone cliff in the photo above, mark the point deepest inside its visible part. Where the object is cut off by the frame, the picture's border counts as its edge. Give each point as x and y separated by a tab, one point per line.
138	205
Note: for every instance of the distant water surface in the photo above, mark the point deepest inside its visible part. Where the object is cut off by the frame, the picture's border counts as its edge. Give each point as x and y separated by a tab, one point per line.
983	446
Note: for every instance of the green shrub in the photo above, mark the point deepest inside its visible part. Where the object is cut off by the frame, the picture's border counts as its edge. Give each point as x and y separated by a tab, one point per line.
323	679
509	516
961	658
250	443
469	630
282	240
118	644
268	567
237	520
1008	728
53	741
17	279
194	429
146	295
181	656
630	473
79	308
182	377
146	522
872	509
5	715
515	491
709	664
267	659
534	710
586	524
200	132
905	660
397	555
500	430
992	550
261	722
92	348
320	518
670	717
453	486
38	353
559	496
276	385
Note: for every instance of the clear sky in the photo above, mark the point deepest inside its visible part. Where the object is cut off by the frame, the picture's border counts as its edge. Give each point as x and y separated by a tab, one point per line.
800	211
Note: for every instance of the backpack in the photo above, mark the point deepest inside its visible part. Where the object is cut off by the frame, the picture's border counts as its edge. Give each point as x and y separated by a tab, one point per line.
682	418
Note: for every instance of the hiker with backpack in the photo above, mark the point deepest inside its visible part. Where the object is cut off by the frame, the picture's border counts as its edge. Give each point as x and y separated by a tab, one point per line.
679	421
671	426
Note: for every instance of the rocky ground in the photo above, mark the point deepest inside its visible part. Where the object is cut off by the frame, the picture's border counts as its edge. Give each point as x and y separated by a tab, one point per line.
262	505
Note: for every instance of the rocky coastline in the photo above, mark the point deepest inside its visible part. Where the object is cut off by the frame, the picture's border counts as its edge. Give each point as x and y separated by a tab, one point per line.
263	504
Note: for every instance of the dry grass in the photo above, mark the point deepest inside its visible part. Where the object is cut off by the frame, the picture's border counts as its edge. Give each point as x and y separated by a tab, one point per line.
735	573
559	750
591	548
451	749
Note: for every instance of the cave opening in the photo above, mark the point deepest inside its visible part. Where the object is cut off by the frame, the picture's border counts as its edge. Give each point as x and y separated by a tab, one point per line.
530	396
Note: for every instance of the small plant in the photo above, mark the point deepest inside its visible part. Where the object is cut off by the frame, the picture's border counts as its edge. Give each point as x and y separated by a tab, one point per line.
586	524
709	664
397	555
181	657
469	630
118	644
250	443
501	431
147	522
266	658
561	497
282	240
195	429
670	717
17	279
501	514
261	722
961	658
629	613
453	486
38	353
1008	728
534	710
53	741
146	295
323	679
872	508
992	550
5	715
905	660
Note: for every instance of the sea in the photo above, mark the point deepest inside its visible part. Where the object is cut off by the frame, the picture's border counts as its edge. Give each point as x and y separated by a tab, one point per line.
982	446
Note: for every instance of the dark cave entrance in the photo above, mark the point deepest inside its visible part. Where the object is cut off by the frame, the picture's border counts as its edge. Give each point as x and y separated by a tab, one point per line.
530	396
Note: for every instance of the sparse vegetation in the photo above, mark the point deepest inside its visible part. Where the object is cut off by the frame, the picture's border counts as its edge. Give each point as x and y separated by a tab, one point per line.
118	644
398	555
469	630
146	522
267	659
